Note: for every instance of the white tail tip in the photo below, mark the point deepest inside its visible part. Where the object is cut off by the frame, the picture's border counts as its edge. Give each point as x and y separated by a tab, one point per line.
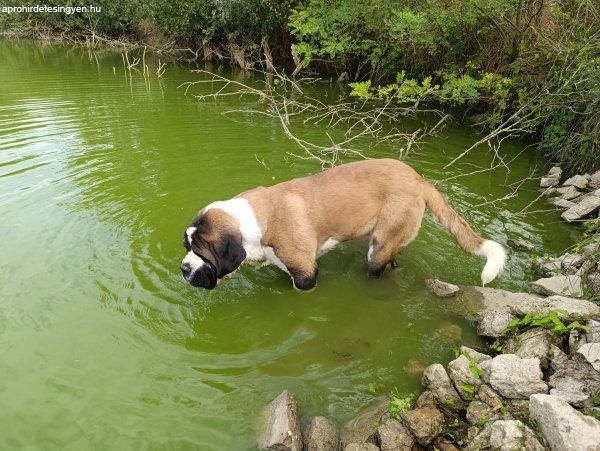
496	257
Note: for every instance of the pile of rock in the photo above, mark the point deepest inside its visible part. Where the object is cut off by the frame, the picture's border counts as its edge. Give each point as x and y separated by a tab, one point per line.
578	195
571	274
541	393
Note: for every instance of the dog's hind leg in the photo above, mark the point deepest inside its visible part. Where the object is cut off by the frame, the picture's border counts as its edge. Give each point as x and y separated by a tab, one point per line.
390	236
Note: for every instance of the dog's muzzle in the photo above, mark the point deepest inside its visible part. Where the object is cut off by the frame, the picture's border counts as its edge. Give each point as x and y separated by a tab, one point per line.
197	272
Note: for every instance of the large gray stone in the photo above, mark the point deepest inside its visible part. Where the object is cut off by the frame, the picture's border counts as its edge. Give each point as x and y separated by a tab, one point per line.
587	205
558	285
513	377
322	435
593	335
282	428
533	343
506	435
489	396
572	260
548	266
564	428
563	203
521	245
578	181
591	353
575	307
493	322
426	399
442	289
592	283
425	423
552	179
478	356
479	412
594	182
394	436
575	381
464	380
436	380
568	192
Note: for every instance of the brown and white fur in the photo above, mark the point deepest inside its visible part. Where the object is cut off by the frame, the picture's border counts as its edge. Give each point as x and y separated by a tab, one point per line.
292	223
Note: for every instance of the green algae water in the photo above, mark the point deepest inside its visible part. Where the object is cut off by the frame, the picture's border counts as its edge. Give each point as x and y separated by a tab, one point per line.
103	345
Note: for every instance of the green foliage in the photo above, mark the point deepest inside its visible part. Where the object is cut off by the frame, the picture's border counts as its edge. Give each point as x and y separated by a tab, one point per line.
469	388
473	366
551	320
492	58
400	403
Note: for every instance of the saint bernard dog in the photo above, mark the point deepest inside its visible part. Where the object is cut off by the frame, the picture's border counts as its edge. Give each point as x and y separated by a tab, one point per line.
292	223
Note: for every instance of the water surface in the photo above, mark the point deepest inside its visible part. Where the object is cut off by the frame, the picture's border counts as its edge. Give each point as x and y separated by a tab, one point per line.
102	343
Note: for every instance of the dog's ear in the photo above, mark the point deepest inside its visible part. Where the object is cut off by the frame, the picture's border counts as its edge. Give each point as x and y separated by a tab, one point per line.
231	255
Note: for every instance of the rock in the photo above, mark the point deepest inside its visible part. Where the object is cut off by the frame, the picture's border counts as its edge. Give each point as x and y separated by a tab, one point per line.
322	435
561	285
576	339
361	447
563	203
593	336
592	283
594	182
578	181
506	435
575	398
551	179
464	380
588	204
568	192
414	367
489	396
570	305
478	356
513	377
480	413
426	399
572	260
562	426
558	358
479	300
394	436
362	428
442	289
574	381
436	380
475	302
555	170
449	333
282	429
492	323
521	245
533	343
444	445
425	423
548	267
591	353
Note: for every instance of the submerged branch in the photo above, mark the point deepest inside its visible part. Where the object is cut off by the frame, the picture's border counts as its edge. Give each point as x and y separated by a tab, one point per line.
369	123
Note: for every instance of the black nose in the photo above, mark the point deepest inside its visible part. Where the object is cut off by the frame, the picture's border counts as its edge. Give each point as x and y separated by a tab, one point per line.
185	268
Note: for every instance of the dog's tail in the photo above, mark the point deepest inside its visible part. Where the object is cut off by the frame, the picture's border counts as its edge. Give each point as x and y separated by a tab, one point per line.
464	234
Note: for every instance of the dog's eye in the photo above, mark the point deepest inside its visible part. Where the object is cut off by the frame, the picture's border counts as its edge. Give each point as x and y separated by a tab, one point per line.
186	244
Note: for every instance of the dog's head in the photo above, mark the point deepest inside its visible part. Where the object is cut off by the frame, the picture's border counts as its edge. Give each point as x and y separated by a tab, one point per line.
214	245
